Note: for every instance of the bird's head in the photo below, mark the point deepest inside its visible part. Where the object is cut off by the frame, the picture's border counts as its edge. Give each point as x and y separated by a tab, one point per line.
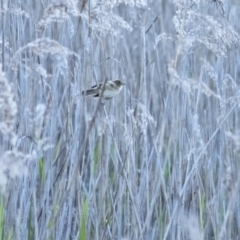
118	83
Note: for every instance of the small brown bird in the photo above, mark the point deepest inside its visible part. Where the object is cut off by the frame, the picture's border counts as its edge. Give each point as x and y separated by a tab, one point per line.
111	89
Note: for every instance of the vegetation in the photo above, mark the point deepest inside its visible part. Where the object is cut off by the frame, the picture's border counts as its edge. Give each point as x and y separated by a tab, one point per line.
158	161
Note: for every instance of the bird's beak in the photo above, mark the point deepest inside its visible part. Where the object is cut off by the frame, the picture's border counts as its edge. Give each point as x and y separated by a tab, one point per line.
123	83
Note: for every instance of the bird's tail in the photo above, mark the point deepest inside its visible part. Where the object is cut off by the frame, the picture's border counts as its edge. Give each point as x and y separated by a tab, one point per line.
89	92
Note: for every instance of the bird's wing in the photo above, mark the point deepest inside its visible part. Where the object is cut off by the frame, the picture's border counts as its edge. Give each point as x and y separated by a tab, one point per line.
99	85
111	84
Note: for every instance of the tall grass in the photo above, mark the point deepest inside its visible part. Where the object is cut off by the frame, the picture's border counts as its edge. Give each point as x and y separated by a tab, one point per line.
160	160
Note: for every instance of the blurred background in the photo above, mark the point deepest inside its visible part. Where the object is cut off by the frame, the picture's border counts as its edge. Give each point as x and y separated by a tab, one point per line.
158	161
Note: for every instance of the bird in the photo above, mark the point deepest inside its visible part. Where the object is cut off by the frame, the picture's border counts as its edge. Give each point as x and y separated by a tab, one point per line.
111	89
